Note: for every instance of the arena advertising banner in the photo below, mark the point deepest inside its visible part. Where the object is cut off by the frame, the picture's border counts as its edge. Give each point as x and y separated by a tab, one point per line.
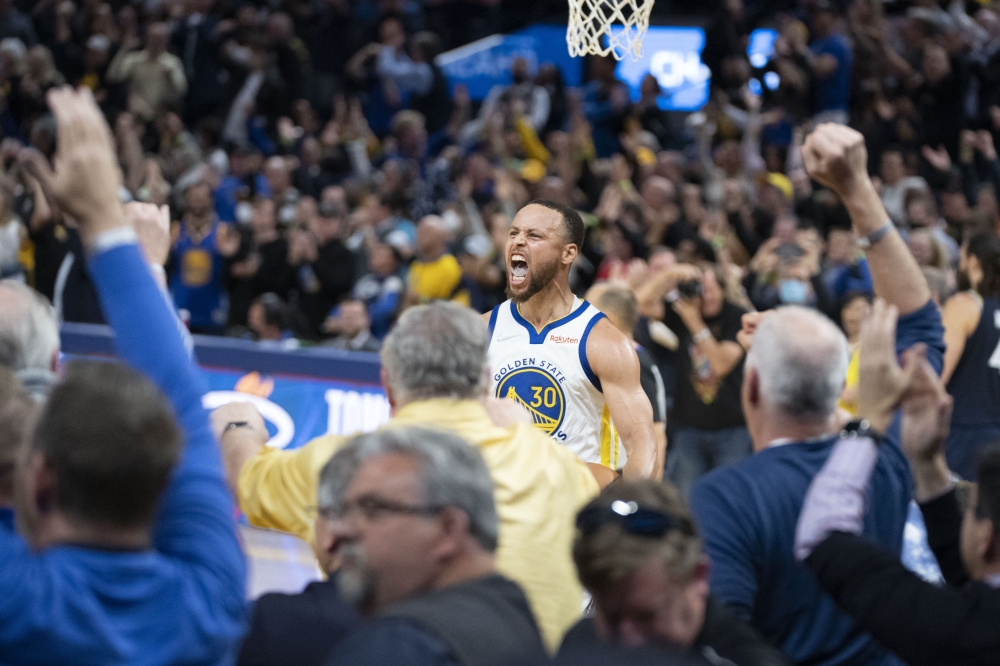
673	56
487	62
298	409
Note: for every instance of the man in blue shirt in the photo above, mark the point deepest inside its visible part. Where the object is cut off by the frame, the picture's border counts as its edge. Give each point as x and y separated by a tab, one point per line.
128	551
831	65
794	374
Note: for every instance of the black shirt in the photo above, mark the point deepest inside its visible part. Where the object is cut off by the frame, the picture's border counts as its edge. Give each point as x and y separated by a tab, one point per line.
652	385
324	283
924	624
297	629
702	400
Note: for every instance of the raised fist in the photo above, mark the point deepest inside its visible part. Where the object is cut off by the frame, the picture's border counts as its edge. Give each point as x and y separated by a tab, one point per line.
835	156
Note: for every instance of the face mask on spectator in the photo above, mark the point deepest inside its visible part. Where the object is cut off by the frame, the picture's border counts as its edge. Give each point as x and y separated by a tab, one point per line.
793	292
244	211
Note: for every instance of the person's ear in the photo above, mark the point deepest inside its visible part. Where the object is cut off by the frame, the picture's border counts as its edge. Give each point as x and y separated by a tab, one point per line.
989	544
54	364
569	253
455	526
44	485
753	387
384	377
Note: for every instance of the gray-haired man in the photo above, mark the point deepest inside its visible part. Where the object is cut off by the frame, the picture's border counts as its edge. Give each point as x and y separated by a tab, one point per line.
29	337
794	374
412	511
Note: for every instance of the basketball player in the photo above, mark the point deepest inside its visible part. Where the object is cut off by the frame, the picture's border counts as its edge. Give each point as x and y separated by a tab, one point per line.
972	357
559	357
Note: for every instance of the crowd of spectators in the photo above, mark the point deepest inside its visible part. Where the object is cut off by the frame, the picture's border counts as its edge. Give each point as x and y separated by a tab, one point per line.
314	155
323	184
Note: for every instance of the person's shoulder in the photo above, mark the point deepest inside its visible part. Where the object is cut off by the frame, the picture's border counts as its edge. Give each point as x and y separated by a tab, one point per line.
726	477
319	599
768	469
392	641
732	314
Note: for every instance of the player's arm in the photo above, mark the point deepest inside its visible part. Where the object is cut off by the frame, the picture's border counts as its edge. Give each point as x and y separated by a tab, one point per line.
835	156
614	361
960	316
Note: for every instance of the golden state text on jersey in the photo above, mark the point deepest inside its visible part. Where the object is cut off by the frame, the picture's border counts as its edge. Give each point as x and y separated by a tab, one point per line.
547	372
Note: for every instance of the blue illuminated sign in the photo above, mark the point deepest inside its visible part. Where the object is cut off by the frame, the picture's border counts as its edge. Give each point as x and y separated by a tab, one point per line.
487	62
673	57
761	46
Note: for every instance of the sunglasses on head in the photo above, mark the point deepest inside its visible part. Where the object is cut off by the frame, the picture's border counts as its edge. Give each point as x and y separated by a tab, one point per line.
632	518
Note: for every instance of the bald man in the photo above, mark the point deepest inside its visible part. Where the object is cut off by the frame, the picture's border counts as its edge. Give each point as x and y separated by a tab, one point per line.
435	274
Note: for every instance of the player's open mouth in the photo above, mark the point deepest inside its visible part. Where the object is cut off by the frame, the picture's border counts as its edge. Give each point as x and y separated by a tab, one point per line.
518	268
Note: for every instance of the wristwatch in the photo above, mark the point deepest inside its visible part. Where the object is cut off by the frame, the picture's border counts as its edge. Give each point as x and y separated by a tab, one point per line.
866	242
861	429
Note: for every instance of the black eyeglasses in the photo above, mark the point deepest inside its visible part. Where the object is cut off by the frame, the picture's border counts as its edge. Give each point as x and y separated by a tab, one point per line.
631	517
372	508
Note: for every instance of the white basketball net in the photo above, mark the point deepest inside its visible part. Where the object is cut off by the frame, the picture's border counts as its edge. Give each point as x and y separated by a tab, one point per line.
590	27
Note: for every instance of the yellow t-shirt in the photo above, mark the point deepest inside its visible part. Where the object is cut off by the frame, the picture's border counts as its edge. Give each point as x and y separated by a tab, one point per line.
539	488
851	386
435	280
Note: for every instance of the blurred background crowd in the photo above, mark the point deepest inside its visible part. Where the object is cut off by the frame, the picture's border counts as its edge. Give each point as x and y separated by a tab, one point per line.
323	175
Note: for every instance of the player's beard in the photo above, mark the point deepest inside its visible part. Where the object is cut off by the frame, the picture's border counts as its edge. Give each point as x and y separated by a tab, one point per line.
539	277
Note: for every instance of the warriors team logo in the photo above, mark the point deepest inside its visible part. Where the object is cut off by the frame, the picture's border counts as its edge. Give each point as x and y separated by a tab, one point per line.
538	392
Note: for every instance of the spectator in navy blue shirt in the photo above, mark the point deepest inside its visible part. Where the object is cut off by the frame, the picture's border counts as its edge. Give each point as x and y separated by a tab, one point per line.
831	64
794	374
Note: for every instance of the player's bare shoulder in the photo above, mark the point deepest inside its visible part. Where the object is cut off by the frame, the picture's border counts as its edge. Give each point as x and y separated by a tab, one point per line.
609	351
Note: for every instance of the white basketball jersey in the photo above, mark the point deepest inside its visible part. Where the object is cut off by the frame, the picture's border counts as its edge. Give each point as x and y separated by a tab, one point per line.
547	372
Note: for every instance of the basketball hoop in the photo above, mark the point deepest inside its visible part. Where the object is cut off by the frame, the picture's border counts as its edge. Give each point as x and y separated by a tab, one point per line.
603	27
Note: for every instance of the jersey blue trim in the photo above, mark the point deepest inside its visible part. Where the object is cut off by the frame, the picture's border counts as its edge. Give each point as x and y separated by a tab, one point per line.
538	337
584	361
493	323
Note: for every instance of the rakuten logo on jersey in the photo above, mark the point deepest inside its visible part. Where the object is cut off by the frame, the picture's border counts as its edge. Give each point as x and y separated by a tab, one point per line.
562	340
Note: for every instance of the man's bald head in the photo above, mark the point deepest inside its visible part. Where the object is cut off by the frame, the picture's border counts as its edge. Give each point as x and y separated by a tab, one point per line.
657	191
800	359
432	236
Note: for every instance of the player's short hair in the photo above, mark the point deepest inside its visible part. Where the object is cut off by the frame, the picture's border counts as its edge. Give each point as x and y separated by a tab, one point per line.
437	351
609	554
111	439
573	226
622	304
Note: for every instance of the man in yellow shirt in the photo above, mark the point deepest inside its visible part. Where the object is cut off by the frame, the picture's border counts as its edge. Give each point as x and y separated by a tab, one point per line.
434	372
435	274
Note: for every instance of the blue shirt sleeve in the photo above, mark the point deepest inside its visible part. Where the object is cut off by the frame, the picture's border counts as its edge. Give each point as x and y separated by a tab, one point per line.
392	642
923	325
196	520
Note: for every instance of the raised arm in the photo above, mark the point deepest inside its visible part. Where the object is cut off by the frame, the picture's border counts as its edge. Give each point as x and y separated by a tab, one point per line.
835	156
195	524
616	366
